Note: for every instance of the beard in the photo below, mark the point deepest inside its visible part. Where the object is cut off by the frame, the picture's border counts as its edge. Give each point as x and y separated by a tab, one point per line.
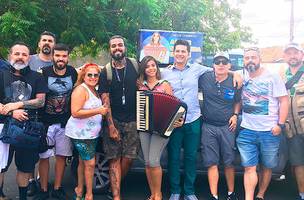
46	49
19	64
294	63
59	66
252	67
118	56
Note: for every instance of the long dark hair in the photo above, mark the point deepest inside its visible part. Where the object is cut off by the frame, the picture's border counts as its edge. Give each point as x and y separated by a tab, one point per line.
143	66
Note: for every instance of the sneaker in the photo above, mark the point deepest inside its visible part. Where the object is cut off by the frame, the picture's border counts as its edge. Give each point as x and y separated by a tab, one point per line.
232	196
212	198
174	197
59	194
109	194
32	188
190	197
41	195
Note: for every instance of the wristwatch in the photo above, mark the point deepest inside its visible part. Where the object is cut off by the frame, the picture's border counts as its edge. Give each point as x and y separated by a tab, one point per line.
282	126
236	114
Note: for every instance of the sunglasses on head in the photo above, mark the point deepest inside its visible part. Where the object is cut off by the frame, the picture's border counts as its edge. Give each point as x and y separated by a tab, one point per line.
252	49
90	75
224	62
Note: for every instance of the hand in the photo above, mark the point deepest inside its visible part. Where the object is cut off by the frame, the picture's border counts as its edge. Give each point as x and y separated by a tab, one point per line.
237	80
114	134
104	110
20	115
1	109
178	123
276	130
11	106
232	123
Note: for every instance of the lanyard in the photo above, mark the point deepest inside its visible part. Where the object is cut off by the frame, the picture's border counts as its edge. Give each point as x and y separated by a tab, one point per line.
123	98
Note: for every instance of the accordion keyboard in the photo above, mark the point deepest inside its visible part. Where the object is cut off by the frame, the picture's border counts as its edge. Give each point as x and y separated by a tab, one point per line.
142	111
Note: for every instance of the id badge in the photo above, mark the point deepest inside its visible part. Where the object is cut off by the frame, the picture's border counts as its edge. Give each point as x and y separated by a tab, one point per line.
123	99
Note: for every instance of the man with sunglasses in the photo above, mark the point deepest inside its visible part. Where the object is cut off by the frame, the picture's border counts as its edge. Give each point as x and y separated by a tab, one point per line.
265	109
45	46
61	78
294	78
221	107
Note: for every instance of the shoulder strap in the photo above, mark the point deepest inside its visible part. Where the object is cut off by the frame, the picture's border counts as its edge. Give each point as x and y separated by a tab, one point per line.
109	71
294	79
134	63
109	68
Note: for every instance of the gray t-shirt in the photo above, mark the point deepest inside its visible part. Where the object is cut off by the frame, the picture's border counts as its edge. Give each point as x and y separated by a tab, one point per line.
36	63
260	101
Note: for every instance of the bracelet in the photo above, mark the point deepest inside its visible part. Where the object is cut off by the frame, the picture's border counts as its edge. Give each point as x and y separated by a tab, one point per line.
10	113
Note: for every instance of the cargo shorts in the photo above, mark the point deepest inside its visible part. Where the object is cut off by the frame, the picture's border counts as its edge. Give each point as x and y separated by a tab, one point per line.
129	144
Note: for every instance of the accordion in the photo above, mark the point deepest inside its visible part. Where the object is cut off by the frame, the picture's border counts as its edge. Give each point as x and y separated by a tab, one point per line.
157	112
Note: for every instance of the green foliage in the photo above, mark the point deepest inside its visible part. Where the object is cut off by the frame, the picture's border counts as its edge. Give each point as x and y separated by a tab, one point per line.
88	24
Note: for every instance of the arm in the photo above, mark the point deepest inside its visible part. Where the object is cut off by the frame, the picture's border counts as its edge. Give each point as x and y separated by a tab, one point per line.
168	88
77	102
237	79
113	132
36	103
283	113
233	119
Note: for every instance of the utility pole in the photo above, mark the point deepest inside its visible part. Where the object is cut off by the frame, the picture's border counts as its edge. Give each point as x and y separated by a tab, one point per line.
291	36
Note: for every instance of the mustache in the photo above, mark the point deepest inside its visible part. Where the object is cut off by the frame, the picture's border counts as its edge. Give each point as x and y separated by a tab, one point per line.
19	61
60	61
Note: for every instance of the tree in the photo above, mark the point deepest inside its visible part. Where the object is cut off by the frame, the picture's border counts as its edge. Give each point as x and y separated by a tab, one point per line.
88	24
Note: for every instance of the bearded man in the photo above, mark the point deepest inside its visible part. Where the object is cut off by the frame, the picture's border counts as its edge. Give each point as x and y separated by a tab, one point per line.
265	110
118	91
45	46
60	78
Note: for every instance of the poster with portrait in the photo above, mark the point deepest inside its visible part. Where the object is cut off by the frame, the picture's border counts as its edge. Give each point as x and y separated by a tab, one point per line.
159	44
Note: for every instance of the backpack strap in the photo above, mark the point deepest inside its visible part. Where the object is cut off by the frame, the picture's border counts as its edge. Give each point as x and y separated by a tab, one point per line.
108	68
134	63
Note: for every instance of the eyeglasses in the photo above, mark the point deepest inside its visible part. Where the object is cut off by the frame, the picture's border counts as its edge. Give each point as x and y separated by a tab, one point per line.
90	75
224	62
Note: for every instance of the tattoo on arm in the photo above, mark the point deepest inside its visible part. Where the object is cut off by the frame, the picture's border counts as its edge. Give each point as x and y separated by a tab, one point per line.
34	103
106	101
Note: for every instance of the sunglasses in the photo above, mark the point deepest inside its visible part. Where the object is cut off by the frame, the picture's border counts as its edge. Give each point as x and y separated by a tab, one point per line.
224	62
90	75
252	49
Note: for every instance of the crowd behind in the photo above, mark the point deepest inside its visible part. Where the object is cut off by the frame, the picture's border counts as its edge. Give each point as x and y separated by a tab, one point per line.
77	114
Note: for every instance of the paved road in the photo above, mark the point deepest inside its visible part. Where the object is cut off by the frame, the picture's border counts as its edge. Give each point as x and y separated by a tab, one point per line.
135	187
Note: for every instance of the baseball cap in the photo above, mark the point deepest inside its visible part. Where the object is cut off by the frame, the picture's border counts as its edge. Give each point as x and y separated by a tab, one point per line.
221	54
293	45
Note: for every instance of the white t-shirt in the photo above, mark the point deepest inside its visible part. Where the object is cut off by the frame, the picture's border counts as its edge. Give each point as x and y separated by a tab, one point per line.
260	101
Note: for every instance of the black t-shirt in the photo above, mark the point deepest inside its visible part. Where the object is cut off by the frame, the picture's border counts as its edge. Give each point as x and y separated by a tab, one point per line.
121	78
58	100
20	88
219	99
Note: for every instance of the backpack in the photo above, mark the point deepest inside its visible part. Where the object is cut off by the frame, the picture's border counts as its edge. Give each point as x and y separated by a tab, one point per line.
108	69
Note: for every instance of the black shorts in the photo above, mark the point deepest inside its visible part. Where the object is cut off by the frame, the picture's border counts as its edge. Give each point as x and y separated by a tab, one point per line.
25	159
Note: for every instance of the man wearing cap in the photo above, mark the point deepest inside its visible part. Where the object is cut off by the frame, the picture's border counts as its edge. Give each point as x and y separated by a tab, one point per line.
183	78
294	82
265	109
221	107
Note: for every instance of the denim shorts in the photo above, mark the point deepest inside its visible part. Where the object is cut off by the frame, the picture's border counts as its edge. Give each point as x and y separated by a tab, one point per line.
258	147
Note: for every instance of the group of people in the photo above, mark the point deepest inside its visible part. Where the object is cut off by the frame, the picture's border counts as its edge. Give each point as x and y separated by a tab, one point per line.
77	115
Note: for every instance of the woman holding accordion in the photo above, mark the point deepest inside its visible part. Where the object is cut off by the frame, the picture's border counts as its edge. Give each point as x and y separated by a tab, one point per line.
153	144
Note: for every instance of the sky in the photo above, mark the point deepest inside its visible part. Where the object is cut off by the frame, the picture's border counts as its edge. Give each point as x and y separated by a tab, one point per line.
269	20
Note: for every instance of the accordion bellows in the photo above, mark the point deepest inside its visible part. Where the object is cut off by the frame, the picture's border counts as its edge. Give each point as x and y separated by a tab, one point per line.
157	112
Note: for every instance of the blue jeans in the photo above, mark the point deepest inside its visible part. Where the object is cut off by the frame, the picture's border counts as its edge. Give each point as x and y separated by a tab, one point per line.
258	147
